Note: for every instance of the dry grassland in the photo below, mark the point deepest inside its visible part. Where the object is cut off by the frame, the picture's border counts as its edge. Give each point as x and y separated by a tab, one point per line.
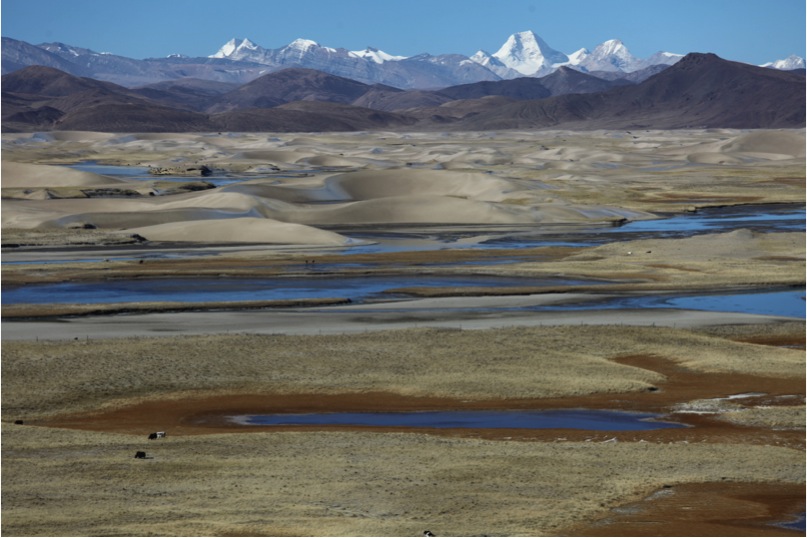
372	483
51	377
70	482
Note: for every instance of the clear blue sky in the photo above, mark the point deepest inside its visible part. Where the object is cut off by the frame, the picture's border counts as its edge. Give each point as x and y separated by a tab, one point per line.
752	31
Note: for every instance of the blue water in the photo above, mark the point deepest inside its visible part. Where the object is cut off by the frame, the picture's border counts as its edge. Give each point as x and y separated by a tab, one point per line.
578	419
142	172
784	218
112	170
788	303
359	288
779	303
797	524
768	218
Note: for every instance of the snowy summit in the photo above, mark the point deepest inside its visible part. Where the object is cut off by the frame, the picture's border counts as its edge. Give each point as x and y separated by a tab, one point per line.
375	55
528	54
788	64
235	49
522	54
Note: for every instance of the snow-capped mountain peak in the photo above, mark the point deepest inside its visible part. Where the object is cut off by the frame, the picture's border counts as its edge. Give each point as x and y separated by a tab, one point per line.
611	55
789	63
235	48
375	55
60	48
528	54
614	47
578	56
302	44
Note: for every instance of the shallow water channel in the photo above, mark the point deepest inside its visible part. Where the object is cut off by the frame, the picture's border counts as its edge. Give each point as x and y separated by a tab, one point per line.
759	218
357	288
372	289
142	173
315	284
578	419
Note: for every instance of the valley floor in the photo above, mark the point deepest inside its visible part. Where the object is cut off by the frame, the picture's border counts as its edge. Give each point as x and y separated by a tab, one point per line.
89	385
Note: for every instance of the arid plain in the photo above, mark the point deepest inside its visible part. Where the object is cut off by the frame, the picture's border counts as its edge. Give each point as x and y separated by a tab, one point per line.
91	382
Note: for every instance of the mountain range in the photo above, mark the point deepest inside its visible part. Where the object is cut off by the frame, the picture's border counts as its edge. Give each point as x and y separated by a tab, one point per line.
240	60
697	91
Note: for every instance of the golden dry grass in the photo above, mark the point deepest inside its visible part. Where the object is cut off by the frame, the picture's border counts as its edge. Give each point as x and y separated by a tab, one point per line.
351	483
344	484
42	378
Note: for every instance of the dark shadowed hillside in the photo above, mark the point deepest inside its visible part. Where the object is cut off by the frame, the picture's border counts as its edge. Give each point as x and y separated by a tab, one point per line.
566	80
310	116
288	85
383	98
699	91
42	82
19	55
44	98
518	88
188	93
133	117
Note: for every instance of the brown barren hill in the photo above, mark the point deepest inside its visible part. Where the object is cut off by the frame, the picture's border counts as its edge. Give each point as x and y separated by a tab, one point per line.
288	85
700	91
46	98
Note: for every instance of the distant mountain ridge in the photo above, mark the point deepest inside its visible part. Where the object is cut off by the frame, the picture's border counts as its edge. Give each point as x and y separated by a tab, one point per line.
699	91
241	60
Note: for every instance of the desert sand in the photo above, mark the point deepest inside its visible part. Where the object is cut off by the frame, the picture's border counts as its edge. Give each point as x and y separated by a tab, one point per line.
90	384
388	178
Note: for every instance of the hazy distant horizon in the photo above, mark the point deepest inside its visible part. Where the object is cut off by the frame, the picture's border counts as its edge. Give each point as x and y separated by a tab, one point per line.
750	31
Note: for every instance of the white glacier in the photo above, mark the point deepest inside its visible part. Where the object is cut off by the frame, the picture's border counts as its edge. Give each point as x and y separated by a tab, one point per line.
235	47
789	63
528	54
375	55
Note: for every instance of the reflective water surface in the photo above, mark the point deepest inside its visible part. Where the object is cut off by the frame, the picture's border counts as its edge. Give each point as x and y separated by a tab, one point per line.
358	288
580	419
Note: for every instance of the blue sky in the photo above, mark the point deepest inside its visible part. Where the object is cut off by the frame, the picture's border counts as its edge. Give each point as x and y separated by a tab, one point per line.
752	31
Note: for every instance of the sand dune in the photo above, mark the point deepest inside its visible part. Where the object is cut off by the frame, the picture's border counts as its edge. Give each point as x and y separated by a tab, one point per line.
329	160
25	175
774	144
414	209
735	148
277	156
242	230
712	158
364	185
396	178
79	136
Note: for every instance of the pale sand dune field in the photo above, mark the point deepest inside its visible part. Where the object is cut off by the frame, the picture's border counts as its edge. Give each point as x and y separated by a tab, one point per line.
90	388
494	178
